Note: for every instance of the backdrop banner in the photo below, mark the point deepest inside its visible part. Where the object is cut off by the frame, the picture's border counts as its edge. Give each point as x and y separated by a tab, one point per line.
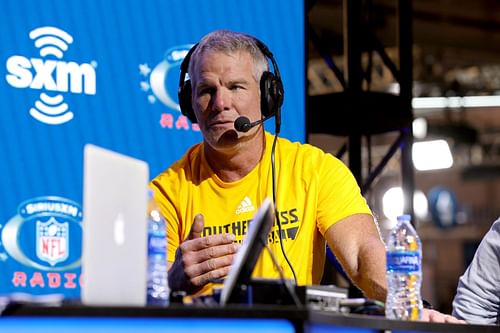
105	72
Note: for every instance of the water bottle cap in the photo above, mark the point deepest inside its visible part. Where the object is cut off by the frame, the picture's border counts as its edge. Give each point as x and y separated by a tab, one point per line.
404	217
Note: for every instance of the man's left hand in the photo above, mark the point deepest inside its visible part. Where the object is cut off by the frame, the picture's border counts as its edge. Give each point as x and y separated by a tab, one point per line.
434	316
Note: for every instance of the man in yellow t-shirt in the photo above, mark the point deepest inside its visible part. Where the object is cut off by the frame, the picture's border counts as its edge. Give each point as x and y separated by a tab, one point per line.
307	204
210	195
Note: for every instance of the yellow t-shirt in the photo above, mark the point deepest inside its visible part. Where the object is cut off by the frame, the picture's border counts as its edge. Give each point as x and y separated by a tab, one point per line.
314	191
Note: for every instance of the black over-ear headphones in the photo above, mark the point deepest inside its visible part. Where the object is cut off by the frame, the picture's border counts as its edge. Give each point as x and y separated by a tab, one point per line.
271	88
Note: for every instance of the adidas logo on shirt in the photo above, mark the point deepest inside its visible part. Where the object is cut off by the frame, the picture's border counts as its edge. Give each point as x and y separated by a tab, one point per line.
245	206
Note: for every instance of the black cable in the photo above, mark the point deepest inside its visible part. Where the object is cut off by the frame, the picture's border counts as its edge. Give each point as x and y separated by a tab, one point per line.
276	208
290	291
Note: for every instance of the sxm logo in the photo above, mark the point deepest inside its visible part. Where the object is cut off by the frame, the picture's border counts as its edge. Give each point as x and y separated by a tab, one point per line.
51	75
161	85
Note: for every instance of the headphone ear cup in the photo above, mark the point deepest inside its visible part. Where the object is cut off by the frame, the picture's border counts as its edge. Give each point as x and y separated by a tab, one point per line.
271	90
185	102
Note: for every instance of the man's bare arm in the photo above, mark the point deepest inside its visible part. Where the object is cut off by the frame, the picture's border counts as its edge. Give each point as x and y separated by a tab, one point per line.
356	242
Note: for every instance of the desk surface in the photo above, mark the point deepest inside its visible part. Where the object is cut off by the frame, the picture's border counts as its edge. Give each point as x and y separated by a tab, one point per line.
262	319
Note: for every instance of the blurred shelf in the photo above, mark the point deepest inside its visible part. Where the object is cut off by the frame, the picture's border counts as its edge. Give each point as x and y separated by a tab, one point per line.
465	232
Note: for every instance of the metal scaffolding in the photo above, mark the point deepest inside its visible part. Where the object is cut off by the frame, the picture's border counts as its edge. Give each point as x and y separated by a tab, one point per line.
356	112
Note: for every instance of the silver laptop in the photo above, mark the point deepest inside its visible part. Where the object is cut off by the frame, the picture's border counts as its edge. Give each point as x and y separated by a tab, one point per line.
114	239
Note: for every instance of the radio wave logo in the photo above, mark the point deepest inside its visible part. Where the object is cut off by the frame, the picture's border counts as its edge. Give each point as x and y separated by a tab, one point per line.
51	41
51	74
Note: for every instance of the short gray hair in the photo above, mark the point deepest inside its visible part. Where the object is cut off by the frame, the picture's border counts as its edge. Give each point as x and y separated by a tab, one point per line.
228	42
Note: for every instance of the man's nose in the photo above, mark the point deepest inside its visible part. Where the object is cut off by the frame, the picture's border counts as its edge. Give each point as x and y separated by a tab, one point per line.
221	99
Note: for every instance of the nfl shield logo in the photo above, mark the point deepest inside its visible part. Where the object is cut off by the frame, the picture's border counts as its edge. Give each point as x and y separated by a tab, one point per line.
52	240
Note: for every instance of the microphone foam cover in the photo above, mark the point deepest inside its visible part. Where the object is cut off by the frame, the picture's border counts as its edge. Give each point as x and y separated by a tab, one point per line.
242	124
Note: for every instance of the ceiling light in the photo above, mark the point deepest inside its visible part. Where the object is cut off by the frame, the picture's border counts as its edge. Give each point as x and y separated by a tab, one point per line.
455	102
392	203
432	155
419	126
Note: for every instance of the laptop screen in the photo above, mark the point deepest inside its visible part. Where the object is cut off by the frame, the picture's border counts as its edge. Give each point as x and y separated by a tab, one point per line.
114	240
249	252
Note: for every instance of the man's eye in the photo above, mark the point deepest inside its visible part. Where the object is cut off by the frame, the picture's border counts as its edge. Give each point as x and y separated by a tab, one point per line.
205	91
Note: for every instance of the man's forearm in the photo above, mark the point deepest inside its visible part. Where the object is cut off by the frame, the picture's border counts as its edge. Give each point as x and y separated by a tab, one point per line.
371	277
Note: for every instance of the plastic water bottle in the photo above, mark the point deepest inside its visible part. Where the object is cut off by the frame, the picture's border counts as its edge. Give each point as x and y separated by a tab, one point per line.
404	273
157	291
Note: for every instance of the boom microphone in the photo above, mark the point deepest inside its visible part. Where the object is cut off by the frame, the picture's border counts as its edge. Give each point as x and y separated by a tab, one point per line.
243	124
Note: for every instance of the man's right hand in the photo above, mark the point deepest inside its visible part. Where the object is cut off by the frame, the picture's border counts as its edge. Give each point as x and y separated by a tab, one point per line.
200	260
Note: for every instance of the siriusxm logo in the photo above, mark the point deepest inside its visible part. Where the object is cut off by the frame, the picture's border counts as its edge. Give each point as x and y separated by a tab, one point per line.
160	84
47	224
50	75
41	246
156	82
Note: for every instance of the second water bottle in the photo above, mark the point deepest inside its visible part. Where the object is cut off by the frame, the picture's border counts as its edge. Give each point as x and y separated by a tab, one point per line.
404	272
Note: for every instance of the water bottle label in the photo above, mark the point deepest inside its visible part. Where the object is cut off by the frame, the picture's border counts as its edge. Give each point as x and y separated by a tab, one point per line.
403	261
157	244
